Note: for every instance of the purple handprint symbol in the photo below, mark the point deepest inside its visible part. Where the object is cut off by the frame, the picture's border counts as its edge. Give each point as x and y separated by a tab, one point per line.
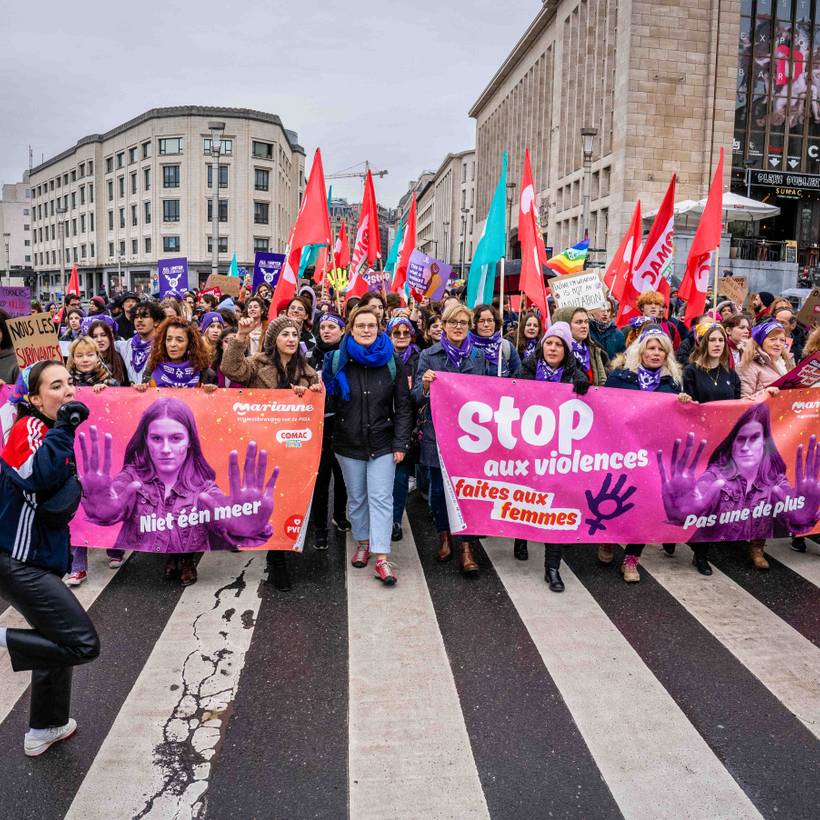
609	503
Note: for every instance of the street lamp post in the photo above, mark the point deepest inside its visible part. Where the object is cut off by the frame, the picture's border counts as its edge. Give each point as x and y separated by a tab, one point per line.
587	137
464	212
61	212
216	129
6	239
432	242
446	226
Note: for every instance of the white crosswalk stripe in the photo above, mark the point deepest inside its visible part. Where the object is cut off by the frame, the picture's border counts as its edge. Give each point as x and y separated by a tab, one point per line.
806	564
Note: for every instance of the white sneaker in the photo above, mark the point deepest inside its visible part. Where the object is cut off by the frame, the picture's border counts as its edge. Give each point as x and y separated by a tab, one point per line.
115	563
35	747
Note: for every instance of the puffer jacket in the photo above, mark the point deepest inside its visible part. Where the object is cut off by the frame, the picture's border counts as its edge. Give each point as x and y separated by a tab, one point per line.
759	373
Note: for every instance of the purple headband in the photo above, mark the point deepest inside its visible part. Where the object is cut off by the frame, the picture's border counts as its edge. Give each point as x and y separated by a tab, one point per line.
400	320
208	319
760	332
638	321
85	326
332	317
653	332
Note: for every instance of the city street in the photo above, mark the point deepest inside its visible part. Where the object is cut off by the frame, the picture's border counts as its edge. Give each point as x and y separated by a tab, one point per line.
681	696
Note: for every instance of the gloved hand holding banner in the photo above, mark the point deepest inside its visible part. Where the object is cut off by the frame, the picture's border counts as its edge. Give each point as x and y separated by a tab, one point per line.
536	461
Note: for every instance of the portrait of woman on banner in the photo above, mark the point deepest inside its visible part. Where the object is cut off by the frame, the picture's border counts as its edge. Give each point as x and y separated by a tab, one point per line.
166	495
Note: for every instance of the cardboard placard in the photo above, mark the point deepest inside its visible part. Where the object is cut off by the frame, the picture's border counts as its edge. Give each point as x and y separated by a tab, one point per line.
733	288
15	301
228	285
809	315
578	290
806	374
34	339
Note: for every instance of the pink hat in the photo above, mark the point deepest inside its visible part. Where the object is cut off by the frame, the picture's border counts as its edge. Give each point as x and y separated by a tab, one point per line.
562	331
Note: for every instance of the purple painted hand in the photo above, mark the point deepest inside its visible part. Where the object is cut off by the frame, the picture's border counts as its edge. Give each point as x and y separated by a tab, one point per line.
253	495
807	485
101	501
682	496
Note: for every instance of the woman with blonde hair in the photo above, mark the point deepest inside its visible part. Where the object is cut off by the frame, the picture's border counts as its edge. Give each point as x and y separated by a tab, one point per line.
764	359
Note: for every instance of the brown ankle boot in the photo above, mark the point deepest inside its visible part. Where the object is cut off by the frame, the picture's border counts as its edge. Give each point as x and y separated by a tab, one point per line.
468	563
187	572
756	555
445	550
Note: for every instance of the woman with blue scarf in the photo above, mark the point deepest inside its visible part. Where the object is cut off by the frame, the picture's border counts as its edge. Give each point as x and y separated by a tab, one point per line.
486	336
368	388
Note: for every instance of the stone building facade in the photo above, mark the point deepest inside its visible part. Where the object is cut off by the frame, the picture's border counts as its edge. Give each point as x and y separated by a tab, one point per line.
143	191
657	82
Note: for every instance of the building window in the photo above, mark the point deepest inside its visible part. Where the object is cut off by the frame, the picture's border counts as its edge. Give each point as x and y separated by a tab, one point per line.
111	250
82	223
263	150
261	244
147	213
121	186
73	200
222	244
120	159
90	172
91	192
134	182
261	179
122	247
170	210
223	176
146	179
148	244
132	155
82	251
223	210
110	220
170	176
225	147
91	223
73	176
170	244
109	167
82	194
135	247
146	150
82	170
134	216
122	217
260	213
170	145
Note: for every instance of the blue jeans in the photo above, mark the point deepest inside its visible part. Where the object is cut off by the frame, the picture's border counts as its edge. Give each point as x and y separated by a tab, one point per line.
370	499
400	485
79	558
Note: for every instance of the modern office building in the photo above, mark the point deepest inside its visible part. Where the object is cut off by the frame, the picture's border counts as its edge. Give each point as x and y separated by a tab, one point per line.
115	203
15	233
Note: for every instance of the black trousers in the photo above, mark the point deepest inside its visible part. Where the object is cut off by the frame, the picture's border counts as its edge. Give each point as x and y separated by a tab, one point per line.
328	465
62	636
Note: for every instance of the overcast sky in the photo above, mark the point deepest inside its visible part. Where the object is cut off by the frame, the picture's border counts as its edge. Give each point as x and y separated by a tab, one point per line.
390	82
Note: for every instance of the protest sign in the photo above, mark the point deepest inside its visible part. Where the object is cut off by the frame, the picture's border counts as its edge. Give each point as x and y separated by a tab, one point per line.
578	290
806	374
377	280
809	315
733	288
220	451
173	276
534	460
34	339
266	268
427	276
15	301
228	285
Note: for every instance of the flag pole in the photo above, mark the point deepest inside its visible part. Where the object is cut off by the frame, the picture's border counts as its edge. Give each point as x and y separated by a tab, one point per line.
716	263
501	304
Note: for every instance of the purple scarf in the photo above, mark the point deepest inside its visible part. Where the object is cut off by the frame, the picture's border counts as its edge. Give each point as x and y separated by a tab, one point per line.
175	374
139	352
456	355
489	344
529	347
408	352
649	379
581	351
544	373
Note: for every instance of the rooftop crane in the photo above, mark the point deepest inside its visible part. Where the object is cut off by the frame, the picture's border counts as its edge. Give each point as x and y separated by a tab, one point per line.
360	174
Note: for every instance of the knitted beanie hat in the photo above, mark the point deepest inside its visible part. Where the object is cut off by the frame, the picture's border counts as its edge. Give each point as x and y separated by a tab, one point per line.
274	329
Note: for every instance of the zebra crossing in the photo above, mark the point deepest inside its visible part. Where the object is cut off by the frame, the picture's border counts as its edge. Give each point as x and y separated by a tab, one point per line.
681	696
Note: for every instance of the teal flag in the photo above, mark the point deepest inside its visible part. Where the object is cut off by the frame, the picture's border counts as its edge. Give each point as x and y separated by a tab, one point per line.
491	247
393	256
233	270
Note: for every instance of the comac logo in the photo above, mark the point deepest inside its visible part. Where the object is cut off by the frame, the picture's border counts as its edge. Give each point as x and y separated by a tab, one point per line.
241	408
805	405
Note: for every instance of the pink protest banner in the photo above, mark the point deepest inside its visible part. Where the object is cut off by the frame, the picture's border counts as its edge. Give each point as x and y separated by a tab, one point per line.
806	374
533	460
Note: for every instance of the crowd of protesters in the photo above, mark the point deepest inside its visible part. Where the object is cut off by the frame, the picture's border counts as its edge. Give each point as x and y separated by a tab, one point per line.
376	358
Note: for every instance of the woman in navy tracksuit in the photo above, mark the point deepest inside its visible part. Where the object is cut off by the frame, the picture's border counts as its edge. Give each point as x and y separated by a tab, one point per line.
39	493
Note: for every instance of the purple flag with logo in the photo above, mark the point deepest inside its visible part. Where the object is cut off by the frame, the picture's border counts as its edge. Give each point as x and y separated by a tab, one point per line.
173	276
427	276
266	267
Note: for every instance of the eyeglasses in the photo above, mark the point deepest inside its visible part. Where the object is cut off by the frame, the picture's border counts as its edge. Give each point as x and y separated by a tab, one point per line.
458	322
489	321
365	327
401	333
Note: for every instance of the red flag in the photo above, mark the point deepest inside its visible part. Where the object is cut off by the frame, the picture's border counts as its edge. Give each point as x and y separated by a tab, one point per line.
619	272
312	227
321	265
367	248
407	246
653	270
533	253
71	289
707	238
341	250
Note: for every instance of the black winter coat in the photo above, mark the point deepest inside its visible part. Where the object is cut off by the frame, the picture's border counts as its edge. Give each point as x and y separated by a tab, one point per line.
627	380
572	372
378	419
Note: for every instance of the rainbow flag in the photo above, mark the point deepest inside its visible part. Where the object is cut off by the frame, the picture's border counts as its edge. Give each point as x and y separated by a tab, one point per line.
571	260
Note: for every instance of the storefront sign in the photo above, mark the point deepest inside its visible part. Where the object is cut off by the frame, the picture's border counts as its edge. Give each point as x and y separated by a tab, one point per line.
779	179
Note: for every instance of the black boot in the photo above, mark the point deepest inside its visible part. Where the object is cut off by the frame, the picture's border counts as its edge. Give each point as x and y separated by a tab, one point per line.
396	534
552	560
699	559
669	549
278	571
520	549
320	540
799	543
